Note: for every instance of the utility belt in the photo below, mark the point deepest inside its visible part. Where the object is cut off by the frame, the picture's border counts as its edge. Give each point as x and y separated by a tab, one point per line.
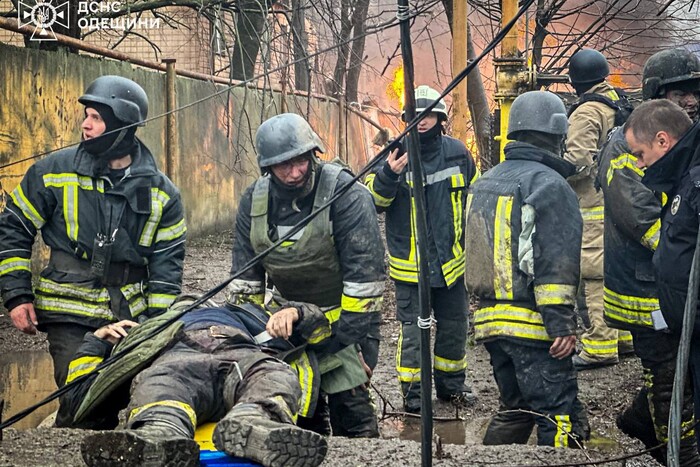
115	275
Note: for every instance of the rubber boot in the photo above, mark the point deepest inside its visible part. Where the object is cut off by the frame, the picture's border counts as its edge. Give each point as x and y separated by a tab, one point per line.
151	445
463	398
247	432
509	428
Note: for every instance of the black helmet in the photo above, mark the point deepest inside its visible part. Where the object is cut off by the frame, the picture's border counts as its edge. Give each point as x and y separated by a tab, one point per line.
284	137
540	111
127	99
676	67
588	66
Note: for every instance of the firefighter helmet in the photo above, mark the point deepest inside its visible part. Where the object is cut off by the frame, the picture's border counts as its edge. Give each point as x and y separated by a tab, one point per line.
588	66
127	99
541	111
425	95
284	137
671	67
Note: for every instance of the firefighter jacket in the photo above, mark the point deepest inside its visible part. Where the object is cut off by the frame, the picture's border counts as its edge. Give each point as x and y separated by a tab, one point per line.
70	199
632	229
336	261
678	175
523	244
93	400
589	125
449	170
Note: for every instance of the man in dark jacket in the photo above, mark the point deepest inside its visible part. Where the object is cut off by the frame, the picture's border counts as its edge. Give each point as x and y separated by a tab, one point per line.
113	221
632	231
340	252
523	244
207	365
449	171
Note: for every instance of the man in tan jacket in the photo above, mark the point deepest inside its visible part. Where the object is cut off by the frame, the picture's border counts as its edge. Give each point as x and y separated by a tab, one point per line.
590	120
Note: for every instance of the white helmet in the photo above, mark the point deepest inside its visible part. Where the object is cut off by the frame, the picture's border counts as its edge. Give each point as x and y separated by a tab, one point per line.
425	95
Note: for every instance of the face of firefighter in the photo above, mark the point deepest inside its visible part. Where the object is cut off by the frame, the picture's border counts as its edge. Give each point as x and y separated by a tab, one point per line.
292	172
428	122
648	153
93	125
687	100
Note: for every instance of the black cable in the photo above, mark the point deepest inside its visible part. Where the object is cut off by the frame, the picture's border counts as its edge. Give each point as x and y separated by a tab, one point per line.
341	191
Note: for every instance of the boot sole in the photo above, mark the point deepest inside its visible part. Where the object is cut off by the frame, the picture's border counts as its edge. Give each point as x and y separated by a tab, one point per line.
287	446
118	448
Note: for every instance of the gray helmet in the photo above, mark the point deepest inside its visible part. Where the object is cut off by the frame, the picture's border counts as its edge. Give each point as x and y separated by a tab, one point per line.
588	66
425	95
127	99
675	67
540	111
284	137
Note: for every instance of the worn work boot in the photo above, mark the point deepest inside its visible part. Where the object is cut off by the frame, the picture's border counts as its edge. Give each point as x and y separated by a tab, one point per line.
143	447
582	364
246	432
463	398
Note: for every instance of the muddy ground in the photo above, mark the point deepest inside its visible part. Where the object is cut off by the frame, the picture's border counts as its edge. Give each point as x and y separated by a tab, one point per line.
605	391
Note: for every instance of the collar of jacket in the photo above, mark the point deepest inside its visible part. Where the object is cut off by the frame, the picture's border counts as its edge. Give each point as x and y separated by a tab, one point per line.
666	173
142	163
528	152
432	146
600	88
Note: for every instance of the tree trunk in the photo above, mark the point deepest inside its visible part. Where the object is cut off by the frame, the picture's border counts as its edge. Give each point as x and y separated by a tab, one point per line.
336	86
301	45
359	20
250	23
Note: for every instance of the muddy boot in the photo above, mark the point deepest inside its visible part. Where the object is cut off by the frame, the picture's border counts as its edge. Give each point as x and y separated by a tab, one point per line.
148	446
463	398
510	427
247	432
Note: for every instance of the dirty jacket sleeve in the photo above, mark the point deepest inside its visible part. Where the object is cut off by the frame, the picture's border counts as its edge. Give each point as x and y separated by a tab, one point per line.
361	253
556	253
28	208
383	183
90	354
249	287
635	208
588	128
165	264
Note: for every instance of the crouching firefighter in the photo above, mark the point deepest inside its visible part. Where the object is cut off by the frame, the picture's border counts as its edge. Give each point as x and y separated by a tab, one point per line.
213	364
523	243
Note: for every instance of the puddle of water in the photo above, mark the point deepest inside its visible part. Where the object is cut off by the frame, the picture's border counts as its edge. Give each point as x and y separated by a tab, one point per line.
25	379
450	432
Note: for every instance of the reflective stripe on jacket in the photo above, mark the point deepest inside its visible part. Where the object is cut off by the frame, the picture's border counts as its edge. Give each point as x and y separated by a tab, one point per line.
69	198
523	244
449	171
632	229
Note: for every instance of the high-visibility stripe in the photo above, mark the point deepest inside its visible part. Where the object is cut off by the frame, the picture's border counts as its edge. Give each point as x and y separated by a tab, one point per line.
14	264
320	334
172	232
477	174
555	294
623	161
333	314
305	373
71	183
561	438
158	201
379	200
615	313
189	411
361	305
502	254
27	208
651	238
73	307
625	337
630	302
629	309
450	366
50	287
61	180
82	366
600	347
161	300
509	321
363	289
596	213
405	374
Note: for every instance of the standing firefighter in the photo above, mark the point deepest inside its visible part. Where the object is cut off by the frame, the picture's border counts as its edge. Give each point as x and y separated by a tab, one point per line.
113	221
449	170
590	120
336	261
632	230
523	241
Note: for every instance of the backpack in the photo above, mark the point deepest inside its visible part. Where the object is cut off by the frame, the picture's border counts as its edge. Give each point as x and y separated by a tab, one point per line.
623	107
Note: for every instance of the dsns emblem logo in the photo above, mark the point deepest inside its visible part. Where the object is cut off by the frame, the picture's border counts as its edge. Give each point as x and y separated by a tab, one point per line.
43	15
675	204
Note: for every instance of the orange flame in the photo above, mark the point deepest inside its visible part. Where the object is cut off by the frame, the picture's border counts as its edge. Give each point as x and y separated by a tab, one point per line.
395	89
